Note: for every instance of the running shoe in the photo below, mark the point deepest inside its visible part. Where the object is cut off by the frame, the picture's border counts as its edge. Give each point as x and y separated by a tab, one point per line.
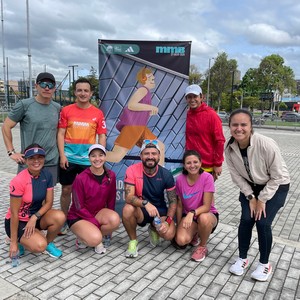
154	237
132	250
262	272
80	244
195	241
239	266
64	230
100	249
199	254
52	251
21	249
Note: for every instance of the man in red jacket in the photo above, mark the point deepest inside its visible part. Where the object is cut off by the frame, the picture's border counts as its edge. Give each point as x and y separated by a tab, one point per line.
204	132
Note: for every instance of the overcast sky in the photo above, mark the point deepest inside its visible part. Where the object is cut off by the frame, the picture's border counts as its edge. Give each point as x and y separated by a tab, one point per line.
65	32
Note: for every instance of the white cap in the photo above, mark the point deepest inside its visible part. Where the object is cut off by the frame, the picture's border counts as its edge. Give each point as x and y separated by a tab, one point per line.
150	144
97	146
193	89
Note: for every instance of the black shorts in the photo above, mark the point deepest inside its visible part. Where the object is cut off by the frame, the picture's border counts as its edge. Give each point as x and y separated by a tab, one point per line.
147	219
72	222
196	220
67	177
21	227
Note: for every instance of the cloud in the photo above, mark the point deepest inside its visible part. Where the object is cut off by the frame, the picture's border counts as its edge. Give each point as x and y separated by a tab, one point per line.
269	35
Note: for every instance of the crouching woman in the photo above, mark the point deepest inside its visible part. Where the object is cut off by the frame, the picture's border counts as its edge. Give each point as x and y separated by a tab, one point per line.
92	213
31	200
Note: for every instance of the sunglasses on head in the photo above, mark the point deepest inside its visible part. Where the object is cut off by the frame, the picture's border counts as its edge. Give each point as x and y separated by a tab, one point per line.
154	142
44	84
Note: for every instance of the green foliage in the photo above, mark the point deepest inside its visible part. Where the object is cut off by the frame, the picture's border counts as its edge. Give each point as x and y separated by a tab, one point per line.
273	75
194	76
221	75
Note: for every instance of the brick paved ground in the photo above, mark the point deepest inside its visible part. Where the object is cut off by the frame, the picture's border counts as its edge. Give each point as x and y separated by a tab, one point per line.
162	272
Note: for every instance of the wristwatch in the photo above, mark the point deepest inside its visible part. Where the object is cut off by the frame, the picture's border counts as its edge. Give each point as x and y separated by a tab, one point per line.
145	202
250	197
38	215
193	212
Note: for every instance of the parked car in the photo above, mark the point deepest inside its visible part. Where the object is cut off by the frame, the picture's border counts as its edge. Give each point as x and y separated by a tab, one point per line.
283	114
291	117
269	115
224	116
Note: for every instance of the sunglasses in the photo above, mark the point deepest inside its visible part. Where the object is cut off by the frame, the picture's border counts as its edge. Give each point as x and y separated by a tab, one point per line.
154	142
45	84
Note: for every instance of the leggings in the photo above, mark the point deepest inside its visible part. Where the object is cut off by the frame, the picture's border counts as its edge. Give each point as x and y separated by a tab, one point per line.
263	226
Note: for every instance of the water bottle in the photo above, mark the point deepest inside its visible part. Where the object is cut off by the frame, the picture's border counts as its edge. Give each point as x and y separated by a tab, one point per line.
157	223
106	240
15	260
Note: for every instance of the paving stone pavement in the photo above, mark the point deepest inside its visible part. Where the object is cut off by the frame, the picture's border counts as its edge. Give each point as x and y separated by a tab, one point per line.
162	272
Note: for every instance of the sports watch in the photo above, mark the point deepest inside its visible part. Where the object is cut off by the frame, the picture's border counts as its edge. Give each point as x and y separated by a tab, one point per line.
145	202
250	197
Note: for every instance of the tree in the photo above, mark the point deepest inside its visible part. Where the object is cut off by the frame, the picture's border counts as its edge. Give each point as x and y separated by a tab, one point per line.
92	77
221	77
274	76
194	76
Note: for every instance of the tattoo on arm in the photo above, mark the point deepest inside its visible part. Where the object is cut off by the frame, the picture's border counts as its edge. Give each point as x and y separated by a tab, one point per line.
131	199
172	198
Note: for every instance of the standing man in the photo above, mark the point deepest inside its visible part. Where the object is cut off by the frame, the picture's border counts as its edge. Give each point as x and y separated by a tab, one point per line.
38	117
204	132
145	185
79	125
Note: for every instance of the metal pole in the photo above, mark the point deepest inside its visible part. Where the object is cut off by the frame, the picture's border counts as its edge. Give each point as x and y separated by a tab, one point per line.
208	79
29	49
73	71
3	54
231	98
7	87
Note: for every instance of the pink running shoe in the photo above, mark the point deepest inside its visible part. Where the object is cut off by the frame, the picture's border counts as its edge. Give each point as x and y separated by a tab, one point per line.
199	254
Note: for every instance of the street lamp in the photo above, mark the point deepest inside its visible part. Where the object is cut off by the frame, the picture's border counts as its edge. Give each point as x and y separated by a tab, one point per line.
208	80
73	72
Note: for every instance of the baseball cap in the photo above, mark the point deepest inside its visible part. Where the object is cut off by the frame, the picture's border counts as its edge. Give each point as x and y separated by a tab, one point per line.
193	89
34	151
45	75
150	144
97	146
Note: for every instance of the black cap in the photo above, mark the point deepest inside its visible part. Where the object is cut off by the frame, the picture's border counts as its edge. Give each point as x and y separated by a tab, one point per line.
45	75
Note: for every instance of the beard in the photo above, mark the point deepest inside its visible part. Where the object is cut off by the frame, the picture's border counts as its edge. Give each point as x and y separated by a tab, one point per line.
150	163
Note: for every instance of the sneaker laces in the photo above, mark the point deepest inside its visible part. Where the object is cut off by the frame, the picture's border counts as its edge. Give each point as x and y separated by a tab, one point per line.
132	245
200	249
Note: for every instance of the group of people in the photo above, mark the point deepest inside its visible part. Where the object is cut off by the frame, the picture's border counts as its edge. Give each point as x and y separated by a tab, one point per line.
186	208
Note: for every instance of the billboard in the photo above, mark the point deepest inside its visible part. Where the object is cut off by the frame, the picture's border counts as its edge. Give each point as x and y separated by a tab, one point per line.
143	82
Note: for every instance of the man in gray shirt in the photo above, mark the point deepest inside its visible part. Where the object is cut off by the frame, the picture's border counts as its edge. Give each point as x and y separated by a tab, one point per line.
38	117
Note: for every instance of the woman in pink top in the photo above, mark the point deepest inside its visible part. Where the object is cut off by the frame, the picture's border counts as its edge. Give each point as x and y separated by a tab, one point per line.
196	214
91	215
30	210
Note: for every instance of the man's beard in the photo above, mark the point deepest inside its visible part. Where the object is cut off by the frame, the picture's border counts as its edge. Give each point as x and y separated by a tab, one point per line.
153	166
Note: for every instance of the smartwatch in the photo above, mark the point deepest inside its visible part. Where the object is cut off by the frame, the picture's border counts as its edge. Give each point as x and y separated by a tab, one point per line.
169	220
250	197
145	202
38	215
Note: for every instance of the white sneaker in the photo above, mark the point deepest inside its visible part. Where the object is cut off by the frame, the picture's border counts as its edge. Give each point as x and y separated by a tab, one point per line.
80	244
262	272
239	266
100	249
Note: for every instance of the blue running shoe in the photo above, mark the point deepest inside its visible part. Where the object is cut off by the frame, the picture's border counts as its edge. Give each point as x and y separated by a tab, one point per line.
53	251
21	249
